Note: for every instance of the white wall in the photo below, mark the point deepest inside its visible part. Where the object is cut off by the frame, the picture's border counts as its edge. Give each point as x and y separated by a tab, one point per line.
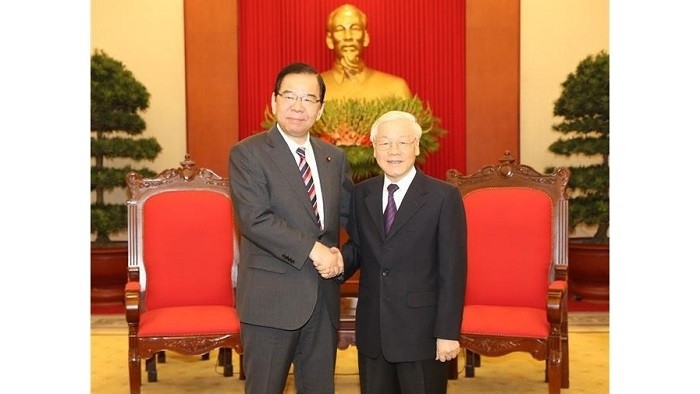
555	36
148	37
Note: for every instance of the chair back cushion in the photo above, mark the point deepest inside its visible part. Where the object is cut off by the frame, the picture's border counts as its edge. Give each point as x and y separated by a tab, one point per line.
188	248
509	246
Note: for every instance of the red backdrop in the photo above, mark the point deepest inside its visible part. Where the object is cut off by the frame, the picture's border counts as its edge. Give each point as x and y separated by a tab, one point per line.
421	41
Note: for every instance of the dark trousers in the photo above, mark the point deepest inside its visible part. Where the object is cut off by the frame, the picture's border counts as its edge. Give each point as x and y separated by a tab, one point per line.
379	376
269	352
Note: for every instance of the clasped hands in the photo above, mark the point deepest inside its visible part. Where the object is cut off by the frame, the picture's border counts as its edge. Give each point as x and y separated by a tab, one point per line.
327	261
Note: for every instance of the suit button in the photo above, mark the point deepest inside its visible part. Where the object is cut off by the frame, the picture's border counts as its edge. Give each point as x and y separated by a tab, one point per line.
385	273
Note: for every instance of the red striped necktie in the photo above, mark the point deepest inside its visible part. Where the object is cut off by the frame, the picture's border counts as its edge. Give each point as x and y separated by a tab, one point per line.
308	181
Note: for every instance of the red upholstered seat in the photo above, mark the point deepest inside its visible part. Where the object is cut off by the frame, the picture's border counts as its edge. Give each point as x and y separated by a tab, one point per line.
499	320
517	239
189	321
180	293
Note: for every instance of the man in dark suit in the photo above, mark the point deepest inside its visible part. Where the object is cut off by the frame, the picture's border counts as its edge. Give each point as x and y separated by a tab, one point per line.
291	194
413	273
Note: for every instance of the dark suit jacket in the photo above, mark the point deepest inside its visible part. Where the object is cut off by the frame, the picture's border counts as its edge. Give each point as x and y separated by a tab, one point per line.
412	281
277	284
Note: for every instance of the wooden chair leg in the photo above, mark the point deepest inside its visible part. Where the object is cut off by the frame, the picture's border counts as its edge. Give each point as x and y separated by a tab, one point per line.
205	356
134	374
161	356
225	359
553	376
565	364
151	369
471	364
220	359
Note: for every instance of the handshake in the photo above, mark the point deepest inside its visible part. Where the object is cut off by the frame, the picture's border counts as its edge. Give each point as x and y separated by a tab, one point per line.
327	261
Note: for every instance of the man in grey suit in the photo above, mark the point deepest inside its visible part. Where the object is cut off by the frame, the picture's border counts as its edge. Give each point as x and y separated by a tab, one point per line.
407	234
291	194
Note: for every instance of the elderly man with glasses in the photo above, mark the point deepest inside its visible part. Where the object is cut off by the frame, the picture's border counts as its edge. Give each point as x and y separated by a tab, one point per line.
407	235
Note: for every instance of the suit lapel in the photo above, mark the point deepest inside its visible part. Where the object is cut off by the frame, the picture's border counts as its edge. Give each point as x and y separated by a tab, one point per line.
288	169
373	202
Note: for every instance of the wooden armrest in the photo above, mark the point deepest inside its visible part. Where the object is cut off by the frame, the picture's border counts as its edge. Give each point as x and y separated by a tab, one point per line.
558	286
556	296
132	296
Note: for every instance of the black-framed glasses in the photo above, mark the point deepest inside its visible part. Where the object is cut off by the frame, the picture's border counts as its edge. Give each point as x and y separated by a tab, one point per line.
400	145
290	98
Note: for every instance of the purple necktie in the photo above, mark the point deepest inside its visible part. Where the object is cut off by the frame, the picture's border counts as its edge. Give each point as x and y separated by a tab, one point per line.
308	181
390	212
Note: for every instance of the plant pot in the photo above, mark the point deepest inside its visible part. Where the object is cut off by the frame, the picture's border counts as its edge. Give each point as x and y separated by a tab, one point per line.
108	273
589	270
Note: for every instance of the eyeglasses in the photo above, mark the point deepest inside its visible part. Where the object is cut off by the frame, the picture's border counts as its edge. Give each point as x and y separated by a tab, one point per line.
289	98
386	145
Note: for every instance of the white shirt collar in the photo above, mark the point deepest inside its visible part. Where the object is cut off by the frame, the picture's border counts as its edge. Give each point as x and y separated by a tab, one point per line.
403	184
293	145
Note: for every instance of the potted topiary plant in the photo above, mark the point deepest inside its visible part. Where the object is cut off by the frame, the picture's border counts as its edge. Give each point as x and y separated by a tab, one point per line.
584	105
116	98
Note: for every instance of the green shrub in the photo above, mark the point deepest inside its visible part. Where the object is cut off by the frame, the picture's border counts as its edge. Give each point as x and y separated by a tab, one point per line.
116	100
584	105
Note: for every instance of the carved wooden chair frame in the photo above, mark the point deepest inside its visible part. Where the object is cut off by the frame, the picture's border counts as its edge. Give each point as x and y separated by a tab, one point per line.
185	178
554	348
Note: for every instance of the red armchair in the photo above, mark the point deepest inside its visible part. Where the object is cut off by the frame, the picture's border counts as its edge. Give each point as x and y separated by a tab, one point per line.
180	295
517	256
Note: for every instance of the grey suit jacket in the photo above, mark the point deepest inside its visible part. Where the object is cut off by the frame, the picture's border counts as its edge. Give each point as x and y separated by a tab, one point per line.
277	283
412	280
